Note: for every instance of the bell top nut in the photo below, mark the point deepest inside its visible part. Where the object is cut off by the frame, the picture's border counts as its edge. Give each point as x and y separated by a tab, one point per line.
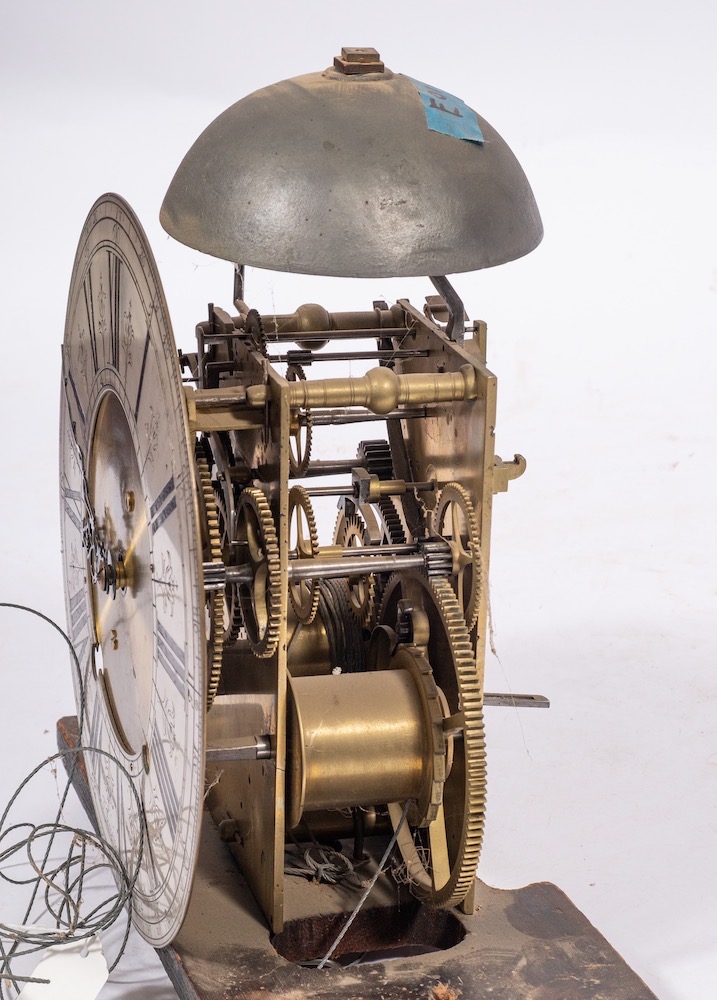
357	62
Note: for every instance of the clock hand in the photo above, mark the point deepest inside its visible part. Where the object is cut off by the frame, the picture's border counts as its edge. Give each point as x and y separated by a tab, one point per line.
107	566
92	542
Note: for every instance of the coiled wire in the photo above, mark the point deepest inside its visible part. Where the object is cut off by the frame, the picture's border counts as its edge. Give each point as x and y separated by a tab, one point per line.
55	887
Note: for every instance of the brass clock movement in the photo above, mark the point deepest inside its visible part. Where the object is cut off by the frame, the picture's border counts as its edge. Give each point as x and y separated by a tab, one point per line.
309	681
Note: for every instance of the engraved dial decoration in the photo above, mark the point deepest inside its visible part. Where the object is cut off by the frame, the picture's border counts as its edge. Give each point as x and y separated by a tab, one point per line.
132	559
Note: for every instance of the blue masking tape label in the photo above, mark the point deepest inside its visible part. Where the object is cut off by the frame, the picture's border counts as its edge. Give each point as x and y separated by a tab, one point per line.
448	114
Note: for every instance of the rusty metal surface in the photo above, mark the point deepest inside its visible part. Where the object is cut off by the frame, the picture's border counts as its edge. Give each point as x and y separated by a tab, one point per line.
340	175
521	944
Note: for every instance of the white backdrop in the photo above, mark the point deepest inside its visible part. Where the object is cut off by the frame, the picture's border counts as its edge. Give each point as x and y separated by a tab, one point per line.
604	564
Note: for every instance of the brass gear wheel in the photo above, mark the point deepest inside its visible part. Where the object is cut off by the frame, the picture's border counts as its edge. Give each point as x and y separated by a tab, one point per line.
259	548
456	522
254	326
351	532
212	552
375	456
442	858
300	439
233	621
304	594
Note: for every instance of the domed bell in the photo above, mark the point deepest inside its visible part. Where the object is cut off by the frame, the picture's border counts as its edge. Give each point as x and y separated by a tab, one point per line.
357	172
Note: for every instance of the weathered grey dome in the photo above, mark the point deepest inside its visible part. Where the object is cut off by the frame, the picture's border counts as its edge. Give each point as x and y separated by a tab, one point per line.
341	175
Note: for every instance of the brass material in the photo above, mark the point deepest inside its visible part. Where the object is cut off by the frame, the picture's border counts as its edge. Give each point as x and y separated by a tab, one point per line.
312	326
260	597
351	533
437	748
456	522
331	825
266	562
304	542
455	834
505	472
356	740
355	61
300	437
380	390
112	470
192	562
212	552
377	459
218	410
450	444
232	620
254	326
309	649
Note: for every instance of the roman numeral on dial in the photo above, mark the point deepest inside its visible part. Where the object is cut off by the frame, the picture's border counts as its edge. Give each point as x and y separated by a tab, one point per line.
141	372
115	275
73	516
163	506
90	309
171	656
79	623
163	775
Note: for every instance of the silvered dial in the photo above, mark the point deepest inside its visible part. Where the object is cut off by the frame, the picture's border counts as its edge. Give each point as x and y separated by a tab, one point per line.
132	556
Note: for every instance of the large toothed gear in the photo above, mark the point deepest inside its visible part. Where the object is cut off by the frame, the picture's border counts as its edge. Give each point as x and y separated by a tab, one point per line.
375	456
259	548
304	594
456	522
233	621
212	545
351	532
441	860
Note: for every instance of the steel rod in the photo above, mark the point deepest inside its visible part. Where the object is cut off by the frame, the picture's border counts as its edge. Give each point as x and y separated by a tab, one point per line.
322	418
516	700
241	748
376	333
337	467
327	569
366	552
300	357
348	490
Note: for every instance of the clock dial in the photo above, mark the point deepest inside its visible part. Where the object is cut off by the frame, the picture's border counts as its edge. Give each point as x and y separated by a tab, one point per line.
132	559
